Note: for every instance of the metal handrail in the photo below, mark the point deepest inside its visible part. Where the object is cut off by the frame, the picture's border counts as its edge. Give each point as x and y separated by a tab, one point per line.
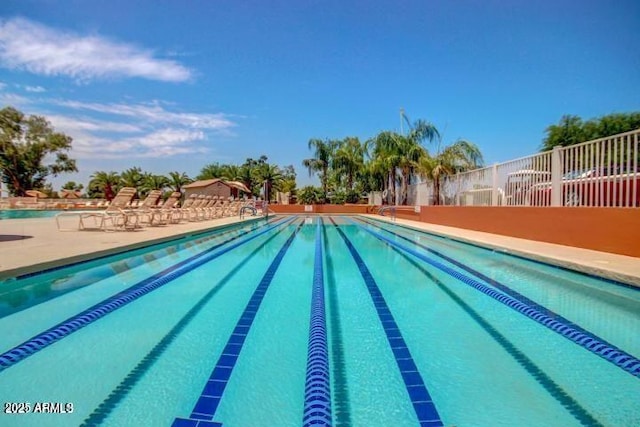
245	208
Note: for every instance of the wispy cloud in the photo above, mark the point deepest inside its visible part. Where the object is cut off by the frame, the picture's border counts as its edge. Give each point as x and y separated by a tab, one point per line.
15	100
155	113
36	89
137	130
71	125
27	45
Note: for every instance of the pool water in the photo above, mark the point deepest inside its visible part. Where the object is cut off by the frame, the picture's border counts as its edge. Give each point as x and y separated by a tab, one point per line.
27	213
338	320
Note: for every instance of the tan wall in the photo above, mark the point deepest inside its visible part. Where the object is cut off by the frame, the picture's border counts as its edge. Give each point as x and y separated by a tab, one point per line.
216	189
615	230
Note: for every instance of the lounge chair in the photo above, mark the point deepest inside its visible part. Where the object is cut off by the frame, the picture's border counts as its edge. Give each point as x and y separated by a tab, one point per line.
115	217
145	209
167	212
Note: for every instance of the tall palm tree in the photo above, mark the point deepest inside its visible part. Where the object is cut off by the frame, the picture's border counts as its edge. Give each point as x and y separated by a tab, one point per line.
321	160
386	150
103	185
458	157
348	160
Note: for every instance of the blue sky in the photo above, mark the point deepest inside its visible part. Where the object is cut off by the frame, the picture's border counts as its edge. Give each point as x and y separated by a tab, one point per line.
175	85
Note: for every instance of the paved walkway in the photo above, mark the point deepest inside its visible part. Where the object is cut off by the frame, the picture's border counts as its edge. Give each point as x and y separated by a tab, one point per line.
28	245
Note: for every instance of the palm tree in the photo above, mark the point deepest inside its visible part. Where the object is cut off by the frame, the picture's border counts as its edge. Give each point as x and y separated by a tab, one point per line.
177	180
154	182
321	160
271	176
386	148
231	172
348	160
210	171
103	185
458	157
132	177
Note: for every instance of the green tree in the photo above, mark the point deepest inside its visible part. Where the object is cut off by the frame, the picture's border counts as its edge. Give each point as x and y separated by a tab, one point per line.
271	176
458	157
154	182
26	145
348	160
321	161
288	184
103	185
133	177
210	171
177	180
309	195
572	130
73	186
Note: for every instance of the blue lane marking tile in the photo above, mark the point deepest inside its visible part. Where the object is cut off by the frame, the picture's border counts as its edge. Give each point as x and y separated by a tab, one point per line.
121	299
419	394
227	360
214	388
520	303
206	406
182	422
407	365
425	411
412	379
221	373
317	399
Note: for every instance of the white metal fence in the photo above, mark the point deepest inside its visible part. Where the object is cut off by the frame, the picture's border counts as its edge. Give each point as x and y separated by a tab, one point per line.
602	173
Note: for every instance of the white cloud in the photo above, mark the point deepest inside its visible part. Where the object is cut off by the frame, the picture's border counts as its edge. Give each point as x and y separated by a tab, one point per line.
170	137
36	89
70	125
13	99
26	45
2	85
154	113
136	130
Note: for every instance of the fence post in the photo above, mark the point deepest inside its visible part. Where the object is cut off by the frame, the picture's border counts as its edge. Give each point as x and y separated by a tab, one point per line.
494	185
556	176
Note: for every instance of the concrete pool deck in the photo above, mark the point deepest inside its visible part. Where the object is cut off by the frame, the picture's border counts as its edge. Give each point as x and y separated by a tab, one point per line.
30	245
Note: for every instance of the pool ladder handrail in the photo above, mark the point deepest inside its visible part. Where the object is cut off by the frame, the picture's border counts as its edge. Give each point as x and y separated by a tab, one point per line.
392	209
247	207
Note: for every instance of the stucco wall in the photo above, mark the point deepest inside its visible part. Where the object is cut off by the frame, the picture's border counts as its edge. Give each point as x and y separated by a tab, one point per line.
615	230
215	189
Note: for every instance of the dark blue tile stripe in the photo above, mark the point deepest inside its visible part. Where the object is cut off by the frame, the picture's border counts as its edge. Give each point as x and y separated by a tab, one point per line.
317	396
588	341
79	321
422	402
207	404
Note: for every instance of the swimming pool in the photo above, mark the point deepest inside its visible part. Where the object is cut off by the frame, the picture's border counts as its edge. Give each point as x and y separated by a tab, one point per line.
306	319
27	213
